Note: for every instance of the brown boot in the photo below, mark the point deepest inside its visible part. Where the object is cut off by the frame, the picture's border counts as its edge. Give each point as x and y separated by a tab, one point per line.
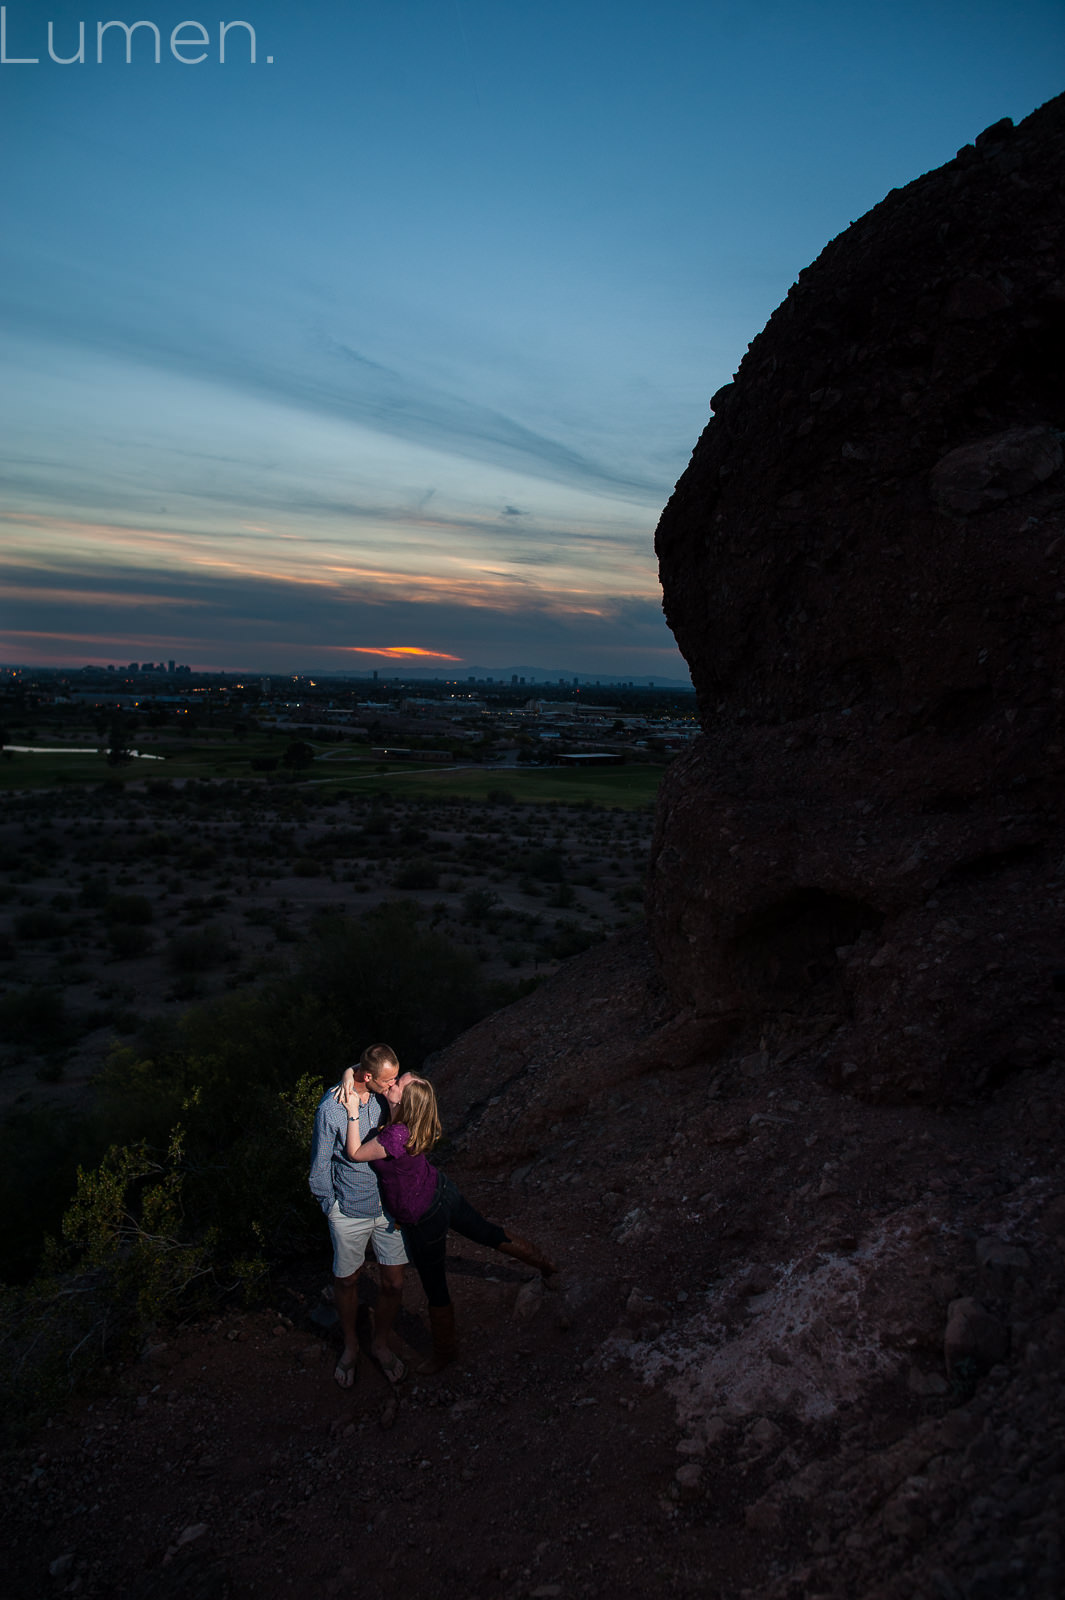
445	1350
522	1250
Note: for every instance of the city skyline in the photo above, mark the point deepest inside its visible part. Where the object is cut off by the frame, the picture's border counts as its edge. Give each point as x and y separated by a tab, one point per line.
390	344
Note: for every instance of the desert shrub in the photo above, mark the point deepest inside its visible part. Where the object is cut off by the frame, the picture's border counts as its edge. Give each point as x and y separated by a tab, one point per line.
418	873
385	977
39	922
158	843
298	756
477	904
39	1154
198	951
568	939
547	865
220	1182
195	908
186	986
132	909
306	867
151	1233
127	941
35	1017
342	842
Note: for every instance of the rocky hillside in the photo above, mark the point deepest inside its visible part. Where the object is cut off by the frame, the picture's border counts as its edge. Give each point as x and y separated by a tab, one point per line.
863	565
803	1345
801	1150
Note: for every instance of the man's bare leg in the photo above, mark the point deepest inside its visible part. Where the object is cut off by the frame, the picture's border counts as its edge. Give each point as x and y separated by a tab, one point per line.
389	1298
346	1299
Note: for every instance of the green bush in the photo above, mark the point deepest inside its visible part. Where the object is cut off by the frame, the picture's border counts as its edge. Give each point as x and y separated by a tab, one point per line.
189	1177
154	1233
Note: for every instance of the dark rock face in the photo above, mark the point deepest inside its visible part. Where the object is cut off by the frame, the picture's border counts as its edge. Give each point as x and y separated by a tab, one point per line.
864	567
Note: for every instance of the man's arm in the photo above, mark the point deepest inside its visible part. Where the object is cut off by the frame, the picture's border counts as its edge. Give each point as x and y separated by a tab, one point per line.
323	1142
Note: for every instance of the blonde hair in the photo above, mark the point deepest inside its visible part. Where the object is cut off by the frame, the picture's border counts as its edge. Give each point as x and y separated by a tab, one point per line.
417	1111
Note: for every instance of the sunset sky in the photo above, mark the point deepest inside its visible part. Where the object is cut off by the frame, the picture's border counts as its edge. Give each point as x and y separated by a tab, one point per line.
400	341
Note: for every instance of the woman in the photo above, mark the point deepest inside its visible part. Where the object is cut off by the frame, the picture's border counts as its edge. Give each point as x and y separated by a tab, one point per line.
425	1202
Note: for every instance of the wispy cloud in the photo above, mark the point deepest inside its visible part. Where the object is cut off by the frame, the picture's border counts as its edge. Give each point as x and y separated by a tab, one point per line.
301	367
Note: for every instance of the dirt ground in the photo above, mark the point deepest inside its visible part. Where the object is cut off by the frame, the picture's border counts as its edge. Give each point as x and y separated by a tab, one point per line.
801	1346
738	1388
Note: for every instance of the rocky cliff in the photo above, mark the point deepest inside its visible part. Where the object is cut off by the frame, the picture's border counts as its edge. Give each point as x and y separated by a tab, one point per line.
807	1153
863	568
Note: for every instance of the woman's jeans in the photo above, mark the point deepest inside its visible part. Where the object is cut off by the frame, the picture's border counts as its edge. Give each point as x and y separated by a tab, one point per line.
426	1239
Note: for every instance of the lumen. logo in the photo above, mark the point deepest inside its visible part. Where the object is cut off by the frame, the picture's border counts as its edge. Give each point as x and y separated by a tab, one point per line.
190	43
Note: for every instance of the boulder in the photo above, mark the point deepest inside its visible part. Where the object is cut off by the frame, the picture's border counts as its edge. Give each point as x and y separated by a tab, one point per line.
865	570
1001	1265
973	1337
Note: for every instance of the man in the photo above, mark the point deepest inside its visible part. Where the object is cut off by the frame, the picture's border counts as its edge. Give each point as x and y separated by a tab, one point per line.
348	1194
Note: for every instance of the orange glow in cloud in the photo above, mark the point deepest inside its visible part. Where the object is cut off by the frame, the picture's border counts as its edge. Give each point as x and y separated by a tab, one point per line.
400	652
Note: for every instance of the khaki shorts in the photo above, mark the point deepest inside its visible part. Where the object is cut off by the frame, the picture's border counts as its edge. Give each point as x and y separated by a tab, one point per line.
351	1235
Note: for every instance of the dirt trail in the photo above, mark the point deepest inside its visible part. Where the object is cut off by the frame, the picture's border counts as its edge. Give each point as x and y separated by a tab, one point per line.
739	1388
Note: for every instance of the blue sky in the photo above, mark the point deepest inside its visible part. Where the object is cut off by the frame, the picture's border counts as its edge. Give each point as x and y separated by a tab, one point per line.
402	340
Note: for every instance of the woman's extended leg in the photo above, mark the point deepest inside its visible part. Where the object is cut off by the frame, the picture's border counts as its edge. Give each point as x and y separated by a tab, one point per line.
426	1243
522	1250
469	1222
